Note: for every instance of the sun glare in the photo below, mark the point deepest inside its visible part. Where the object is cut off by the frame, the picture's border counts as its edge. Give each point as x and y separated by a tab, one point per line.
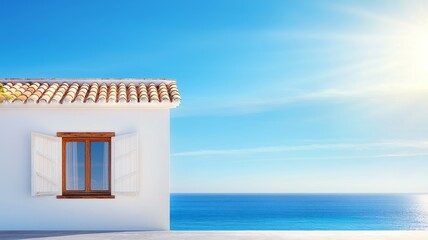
414	51
420	203
402	49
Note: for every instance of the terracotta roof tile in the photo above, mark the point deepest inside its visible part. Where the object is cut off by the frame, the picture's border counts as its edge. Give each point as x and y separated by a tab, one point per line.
37	92
102	93
142	93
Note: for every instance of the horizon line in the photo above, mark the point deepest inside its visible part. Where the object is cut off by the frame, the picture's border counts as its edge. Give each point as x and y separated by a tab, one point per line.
409	193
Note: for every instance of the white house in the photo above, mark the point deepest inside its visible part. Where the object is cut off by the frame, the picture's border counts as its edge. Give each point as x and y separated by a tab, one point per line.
85	154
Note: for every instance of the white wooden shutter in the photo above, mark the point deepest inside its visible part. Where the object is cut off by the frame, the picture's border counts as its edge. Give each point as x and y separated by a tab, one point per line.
125	164
46	155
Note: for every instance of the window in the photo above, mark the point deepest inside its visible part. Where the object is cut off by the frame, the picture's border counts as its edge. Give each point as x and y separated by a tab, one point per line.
86	165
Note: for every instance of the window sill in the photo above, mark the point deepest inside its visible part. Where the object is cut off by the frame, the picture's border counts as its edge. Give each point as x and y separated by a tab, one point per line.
85	196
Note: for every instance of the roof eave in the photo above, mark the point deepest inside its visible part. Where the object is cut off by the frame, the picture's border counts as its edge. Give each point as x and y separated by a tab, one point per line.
142	106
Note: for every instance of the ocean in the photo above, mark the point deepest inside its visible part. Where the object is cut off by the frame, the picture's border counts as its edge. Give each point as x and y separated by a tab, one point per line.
299	212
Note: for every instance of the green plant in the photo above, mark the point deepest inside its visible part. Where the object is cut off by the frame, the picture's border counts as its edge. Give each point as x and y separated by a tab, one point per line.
3	95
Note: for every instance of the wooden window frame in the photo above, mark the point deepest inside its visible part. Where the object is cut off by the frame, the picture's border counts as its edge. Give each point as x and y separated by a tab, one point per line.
86	137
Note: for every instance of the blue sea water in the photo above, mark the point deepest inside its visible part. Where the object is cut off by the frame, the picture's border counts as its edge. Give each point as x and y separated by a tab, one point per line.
299	212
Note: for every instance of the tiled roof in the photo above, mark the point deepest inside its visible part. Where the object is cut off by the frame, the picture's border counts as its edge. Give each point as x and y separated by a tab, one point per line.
147	92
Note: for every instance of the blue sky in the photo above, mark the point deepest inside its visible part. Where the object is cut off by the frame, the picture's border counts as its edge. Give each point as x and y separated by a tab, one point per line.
278	96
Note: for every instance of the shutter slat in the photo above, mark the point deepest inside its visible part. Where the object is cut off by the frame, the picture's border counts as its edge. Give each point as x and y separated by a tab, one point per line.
46	178
47	158
126	176
46	165
125	155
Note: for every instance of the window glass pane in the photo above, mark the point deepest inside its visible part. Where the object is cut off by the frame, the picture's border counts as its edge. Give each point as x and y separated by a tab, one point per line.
99	165
75	165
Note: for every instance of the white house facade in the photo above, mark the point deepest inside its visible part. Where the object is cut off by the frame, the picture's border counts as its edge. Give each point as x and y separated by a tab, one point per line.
85	154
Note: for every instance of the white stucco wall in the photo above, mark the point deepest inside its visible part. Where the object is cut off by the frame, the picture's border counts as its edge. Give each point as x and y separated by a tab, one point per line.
147	211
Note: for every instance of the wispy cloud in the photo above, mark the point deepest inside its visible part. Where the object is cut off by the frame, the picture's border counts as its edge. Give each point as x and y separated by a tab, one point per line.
376	17
396	155
351	94
381	56
393	144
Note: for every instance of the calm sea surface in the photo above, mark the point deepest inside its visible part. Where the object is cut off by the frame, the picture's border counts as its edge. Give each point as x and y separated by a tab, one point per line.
299	212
